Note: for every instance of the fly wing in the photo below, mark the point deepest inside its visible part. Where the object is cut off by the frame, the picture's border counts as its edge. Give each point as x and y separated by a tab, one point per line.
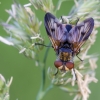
55	30
80	33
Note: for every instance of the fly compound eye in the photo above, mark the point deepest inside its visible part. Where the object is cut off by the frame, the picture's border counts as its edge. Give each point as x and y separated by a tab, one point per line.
58	64
69	65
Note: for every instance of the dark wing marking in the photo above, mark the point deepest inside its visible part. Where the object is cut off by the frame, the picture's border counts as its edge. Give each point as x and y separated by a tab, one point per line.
80	33
55	30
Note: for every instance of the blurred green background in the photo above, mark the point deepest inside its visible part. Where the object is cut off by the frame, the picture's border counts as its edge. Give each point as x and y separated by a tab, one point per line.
27	77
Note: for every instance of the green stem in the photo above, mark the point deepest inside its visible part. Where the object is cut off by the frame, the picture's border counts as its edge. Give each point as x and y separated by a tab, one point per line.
42	92
43	68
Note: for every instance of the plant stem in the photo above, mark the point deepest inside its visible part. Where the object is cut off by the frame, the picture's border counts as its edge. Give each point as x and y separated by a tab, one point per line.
42	92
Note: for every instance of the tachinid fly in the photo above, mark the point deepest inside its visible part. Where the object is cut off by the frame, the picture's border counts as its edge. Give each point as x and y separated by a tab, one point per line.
67	39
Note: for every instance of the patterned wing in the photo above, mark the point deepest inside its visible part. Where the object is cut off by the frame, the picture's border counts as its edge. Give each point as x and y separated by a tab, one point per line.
55	30
80	33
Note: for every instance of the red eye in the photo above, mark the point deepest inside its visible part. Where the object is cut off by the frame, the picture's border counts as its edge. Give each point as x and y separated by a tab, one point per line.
69	65
57	64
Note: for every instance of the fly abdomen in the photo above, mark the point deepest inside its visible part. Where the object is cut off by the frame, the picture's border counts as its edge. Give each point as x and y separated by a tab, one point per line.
64	56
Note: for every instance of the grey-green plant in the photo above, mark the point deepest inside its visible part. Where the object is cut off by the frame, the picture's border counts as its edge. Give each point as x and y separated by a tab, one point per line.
23	28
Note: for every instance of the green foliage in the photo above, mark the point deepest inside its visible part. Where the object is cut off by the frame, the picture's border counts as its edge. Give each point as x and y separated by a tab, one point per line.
23	27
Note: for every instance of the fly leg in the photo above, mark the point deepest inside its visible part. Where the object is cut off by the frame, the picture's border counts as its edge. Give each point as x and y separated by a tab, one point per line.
74	74
77	20
43	45
78	56
56	73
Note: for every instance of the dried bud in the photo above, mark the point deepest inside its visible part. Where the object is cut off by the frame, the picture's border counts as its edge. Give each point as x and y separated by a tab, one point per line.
45	5
23	28
4	88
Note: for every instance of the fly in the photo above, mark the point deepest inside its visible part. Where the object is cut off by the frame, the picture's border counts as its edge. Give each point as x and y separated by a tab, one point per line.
67	39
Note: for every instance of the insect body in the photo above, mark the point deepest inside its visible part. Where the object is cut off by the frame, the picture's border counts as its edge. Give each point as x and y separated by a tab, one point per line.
65	59
67	39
